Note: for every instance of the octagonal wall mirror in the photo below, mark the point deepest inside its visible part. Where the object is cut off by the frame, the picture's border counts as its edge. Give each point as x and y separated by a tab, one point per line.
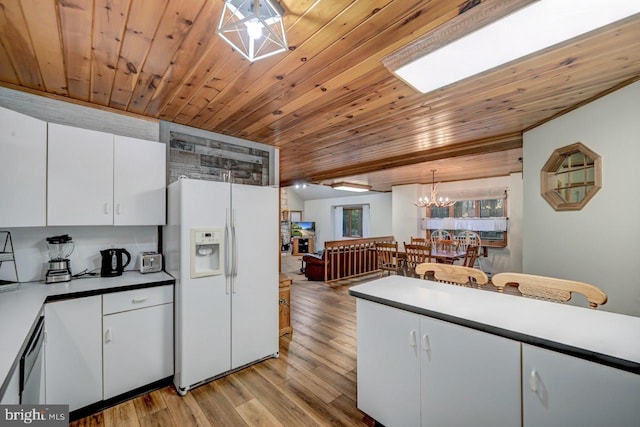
571	177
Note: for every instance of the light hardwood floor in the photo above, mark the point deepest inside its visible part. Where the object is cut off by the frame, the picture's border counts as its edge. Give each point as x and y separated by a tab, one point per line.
312	383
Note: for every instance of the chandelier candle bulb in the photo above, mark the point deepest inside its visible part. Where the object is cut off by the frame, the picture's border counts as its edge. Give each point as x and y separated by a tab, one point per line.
423	202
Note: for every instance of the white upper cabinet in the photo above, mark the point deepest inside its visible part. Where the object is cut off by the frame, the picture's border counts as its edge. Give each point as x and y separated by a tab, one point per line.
139	182
96	178
23	174
80	176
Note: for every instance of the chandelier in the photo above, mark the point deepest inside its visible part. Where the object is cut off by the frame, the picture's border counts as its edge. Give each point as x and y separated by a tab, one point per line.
434	201
253	27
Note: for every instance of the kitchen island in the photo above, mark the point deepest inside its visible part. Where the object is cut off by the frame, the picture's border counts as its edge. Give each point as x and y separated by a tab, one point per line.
20	309
437	354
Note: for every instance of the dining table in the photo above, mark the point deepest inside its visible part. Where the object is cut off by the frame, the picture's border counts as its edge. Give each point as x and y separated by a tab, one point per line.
447	256
440	255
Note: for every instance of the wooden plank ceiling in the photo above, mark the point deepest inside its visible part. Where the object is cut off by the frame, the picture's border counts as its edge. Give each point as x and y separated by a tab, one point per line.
328	103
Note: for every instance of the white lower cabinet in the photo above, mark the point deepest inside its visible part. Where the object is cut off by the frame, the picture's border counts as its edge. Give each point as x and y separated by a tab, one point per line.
414	370
102	346
73	352
388	364
11	395
137	338
469	377
561	390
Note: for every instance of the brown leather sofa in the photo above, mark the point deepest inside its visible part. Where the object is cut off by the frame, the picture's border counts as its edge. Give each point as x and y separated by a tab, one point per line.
314	266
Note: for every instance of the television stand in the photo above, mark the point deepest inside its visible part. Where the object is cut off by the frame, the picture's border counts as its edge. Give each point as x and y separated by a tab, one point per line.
302	245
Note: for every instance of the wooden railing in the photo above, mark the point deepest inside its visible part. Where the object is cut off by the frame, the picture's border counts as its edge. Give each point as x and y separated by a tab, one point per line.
345	259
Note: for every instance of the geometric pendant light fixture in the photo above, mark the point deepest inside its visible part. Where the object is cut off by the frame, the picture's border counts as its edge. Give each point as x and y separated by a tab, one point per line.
253	27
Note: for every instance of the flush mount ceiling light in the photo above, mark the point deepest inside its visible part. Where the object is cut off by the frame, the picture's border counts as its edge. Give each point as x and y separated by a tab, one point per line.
253	27
347	186
495	33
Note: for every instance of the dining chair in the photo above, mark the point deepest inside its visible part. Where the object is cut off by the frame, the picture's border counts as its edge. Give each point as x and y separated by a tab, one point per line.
471	255
440	235
418	241
452	274
387	254
448	245
550	288
445	245
466	238
415	254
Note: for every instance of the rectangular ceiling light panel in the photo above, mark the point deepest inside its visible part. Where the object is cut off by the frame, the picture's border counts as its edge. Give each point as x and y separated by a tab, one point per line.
539	25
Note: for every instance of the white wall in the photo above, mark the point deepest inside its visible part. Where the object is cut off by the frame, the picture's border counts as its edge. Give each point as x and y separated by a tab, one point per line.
294	202
600	243
406	217
29	243
320	211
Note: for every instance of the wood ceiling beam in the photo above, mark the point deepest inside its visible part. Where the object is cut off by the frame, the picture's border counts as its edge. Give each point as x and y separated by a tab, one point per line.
482	146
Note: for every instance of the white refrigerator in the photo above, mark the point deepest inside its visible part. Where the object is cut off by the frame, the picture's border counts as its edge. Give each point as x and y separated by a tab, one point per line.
221	244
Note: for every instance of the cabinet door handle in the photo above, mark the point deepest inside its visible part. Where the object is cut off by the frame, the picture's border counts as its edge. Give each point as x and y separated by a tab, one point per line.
138	300
412	338
106	208
533	381
425	343
118	209
108	336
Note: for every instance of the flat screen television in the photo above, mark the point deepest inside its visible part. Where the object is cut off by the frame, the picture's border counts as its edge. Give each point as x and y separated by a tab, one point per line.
303	229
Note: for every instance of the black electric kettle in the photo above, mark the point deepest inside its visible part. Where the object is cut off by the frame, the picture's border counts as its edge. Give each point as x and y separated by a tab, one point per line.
112	262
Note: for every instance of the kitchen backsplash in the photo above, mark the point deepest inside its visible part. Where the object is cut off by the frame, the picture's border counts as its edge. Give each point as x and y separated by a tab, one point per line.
31	254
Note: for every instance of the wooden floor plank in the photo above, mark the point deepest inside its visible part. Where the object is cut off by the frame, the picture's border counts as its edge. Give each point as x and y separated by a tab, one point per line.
184	410
160	418
255	414
321	412
340	381
234	390
216	407
273	399
319	387
94	420
149	403
123	415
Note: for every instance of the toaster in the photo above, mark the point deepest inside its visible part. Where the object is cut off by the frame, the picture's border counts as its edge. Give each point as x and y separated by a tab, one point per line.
149	262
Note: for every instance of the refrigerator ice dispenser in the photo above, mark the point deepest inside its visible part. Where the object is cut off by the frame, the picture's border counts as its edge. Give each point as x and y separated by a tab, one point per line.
206	252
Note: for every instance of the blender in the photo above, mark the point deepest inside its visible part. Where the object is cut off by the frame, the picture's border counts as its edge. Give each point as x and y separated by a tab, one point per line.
60	248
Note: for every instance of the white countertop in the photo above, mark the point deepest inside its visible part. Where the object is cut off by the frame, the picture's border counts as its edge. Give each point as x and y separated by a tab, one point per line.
570	329
20	309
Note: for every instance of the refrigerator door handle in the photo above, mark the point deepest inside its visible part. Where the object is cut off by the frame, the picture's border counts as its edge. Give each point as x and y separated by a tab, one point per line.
227	270
234	265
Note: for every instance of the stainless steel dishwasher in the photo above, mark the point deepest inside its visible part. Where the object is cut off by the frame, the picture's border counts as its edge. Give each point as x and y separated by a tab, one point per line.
31	368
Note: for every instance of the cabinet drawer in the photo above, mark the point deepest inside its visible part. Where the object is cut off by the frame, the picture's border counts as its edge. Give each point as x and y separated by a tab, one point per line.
137	298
